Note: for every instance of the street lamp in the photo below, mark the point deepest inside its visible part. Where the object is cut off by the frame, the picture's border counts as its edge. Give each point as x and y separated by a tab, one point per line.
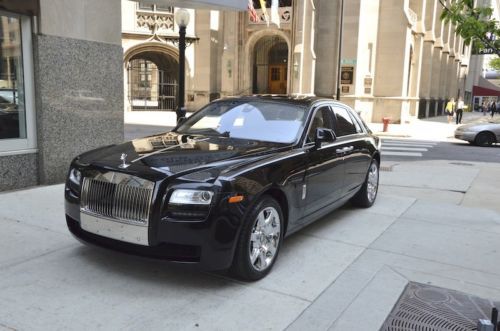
182	20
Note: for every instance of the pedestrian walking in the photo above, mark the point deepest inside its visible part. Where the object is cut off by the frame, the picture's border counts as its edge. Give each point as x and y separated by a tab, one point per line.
483	107
450	106
493	108
460	111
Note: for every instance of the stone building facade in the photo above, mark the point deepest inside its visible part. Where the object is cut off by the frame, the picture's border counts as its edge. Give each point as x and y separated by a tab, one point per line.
61	89
398	59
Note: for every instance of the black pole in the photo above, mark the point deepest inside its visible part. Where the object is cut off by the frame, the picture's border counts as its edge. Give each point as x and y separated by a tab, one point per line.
340	47
181	110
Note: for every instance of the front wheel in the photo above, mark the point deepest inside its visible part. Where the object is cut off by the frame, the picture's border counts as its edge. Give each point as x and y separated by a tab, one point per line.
484	139
259	241
368	192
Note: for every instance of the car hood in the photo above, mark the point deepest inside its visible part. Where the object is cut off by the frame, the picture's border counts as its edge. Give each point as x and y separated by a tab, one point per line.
173	154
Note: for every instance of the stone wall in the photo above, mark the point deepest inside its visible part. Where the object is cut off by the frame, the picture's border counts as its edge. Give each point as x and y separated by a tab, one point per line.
79	100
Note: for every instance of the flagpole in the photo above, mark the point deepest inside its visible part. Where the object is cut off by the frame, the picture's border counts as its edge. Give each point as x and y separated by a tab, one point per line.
340	47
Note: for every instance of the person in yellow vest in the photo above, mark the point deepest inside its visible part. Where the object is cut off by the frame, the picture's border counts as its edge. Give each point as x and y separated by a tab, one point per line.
450	107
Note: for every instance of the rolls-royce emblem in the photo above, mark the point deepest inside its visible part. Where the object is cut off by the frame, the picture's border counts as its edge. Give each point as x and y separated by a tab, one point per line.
124	164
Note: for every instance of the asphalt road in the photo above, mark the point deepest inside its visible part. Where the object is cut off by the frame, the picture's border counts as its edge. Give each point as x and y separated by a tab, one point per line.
429	150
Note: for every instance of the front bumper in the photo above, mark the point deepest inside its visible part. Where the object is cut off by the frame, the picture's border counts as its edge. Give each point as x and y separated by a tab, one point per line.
208	245
464	135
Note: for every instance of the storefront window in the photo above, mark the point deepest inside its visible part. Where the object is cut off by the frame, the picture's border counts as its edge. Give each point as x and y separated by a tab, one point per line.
12	105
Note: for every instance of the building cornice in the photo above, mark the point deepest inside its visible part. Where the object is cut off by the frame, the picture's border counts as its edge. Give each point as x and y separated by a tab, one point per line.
429	36
438	43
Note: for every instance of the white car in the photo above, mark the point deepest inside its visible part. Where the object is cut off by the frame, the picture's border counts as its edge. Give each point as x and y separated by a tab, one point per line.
480	134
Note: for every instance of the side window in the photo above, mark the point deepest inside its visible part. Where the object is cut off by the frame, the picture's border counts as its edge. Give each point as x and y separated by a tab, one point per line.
356	123
344	123
322	119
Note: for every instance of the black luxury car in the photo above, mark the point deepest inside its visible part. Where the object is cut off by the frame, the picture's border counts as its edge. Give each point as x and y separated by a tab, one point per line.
225	186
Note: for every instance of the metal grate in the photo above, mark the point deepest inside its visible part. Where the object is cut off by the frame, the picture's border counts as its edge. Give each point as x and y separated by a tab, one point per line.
430	308
118	201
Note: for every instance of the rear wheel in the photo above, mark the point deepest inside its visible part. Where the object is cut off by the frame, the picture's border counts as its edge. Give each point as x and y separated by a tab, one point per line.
260	240
368	193
484	139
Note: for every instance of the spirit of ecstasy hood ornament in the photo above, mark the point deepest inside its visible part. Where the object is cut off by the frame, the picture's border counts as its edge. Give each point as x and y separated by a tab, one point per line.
124	164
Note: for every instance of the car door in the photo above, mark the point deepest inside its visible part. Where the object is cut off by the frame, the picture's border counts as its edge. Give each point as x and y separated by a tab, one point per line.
325	168
356	154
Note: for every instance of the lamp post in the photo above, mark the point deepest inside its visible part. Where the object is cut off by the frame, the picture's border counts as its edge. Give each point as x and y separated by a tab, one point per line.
182	20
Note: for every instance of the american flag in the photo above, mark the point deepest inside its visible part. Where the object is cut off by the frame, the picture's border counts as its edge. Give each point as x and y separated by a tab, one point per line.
252	13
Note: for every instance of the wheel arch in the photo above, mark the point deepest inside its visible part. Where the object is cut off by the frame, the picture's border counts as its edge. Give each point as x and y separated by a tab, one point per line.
490	133
280	196
376	156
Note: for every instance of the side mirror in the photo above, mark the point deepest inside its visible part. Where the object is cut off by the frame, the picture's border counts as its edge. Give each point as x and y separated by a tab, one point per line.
324	135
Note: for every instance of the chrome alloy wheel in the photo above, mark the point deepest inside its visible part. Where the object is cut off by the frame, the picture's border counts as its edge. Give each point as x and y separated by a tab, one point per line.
265	238
372	186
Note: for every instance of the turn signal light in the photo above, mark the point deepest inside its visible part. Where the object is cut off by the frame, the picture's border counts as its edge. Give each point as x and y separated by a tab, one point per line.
236	199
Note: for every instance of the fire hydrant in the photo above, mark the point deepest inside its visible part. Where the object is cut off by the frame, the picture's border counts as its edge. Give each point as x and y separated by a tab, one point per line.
386	121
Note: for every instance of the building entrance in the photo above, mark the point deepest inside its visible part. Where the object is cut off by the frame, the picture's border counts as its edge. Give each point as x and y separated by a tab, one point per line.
270	74
152	80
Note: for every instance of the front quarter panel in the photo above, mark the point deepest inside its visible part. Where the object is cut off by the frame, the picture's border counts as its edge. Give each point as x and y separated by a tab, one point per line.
282	174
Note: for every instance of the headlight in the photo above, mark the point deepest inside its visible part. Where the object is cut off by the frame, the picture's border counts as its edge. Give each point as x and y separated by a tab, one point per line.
191	197
75	176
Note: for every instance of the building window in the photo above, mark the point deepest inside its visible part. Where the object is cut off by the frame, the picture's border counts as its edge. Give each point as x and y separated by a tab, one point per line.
17	128
157	8
12	120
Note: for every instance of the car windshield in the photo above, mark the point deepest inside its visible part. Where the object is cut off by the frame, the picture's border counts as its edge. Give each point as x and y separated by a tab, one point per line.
254	120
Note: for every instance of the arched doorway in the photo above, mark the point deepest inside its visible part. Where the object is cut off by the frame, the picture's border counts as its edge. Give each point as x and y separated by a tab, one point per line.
270	71
152	81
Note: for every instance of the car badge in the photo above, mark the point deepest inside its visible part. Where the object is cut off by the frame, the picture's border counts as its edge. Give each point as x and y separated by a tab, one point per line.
124	164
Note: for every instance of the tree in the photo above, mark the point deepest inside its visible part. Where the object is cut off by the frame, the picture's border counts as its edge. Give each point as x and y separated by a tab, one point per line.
474	24
495	63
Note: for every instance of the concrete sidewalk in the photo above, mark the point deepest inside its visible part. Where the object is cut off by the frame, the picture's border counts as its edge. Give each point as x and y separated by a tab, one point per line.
432	223
434	128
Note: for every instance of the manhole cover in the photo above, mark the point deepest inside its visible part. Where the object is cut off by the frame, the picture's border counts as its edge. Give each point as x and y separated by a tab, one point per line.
429	308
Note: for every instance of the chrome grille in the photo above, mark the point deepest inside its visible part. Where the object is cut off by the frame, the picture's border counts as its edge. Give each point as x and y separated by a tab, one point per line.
120	201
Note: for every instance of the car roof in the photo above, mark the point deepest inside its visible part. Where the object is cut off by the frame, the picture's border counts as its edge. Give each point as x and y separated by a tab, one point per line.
302	100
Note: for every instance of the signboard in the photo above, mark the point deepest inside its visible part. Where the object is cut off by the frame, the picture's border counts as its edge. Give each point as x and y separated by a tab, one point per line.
348	61
347	75
484	51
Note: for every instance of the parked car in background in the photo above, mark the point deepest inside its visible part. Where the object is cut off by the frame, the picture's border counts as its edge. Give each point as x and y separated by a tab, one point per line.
224	188
480	134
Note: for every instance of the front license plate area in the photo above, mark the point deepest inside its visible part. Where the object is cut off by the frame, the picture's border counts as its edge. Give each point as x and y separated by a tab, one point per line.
134	234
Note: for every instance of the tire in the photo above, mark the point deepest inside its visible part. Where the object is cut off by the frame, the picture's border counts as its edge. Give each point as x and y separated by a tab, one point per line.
484	139
259	240
368	192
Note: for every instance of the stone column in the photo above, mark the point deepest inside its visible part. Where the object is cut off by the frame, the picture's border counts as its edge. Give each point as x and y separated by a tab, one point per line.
79	81
326	47
229	67
204	56
391	66
426	74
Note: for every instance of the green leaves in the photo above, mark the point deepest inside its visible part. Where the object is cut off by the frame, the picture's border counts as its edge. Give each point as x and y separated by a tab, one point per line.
474	24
